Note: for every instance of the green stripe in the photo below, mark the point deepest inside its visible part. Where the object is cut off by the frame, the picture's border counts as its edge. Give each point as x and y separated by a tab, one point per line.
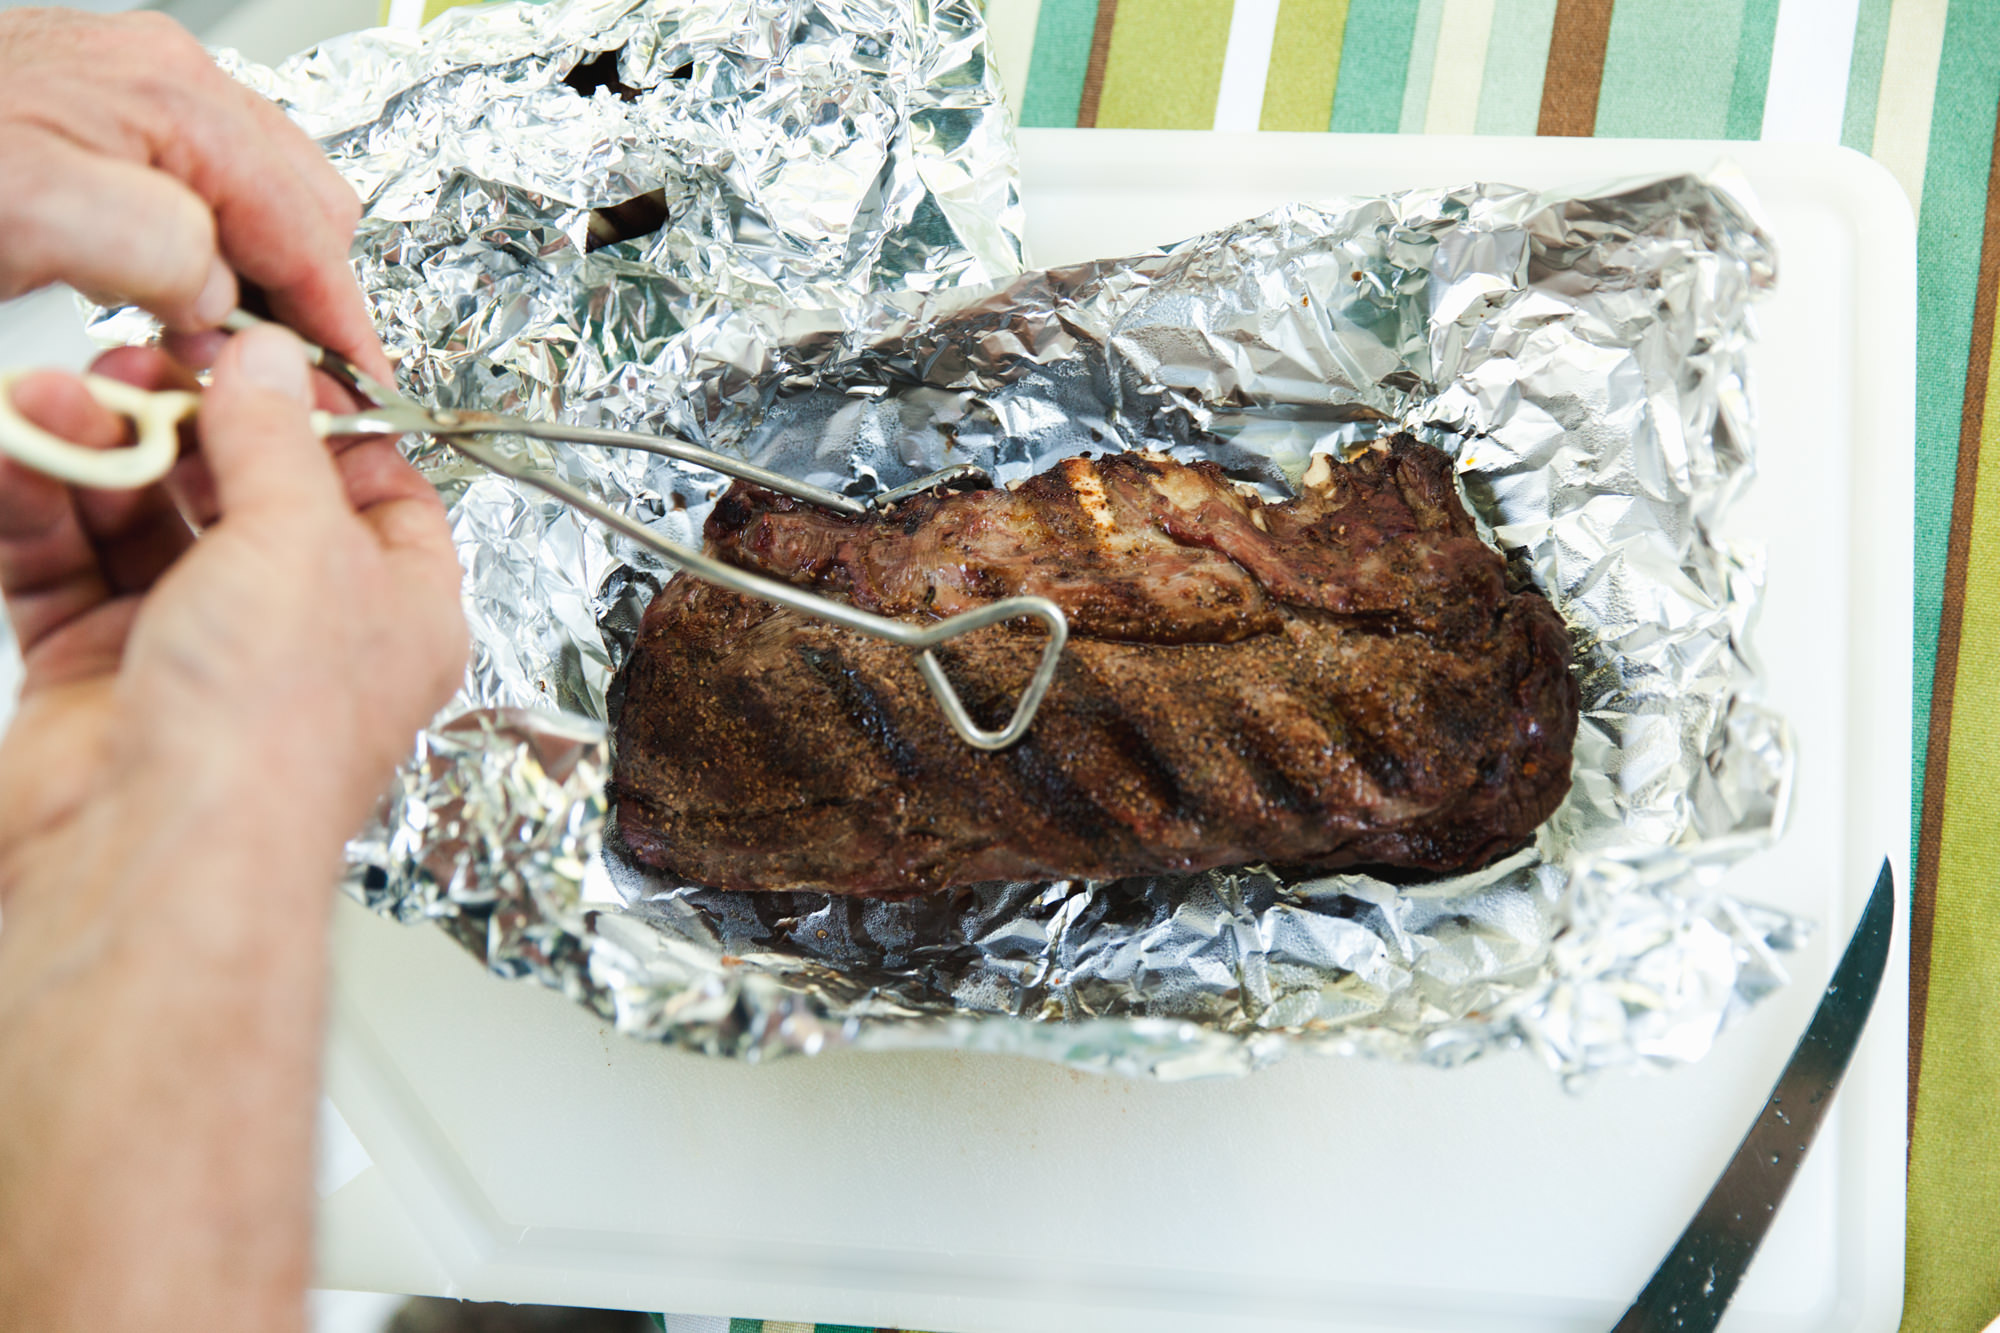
757	1325
1753	70
1669	66
1056	69
1864	75
1377	43
1517	55
1423	60
1305	65
1949	226
1165	66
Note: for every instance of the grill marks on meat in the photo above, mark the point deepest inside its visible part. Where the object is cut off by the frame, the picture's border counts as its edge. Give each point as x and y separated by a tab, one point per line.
1341	679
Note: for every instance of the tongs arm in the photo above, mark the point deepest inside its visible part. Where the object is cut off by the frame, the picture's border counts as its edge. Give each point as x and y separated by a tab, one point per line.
454	426
389	412
921	638
157	416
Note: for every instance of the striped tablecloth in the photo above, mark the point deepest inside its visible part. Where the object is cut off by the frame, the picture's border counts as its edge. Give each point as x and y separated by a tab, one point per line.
1916	84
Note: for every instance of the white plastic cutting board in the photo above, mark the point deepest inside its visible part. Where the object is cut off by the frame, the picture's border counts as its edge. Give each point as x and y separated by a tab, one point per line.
521	1151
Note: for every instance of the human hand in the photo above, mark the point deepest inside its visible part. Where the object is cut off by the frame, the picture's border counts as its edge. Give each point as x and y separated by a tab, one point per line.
204	720
279	665
135	170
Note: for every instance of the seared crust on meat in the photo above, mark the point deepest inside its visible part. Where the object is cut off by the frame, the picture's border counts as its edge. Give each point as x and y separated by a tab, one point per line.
1341	679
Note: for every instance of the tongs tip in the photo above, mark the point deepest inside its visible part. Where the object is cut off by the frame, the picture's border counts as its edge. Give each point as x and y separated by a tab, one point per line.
957	477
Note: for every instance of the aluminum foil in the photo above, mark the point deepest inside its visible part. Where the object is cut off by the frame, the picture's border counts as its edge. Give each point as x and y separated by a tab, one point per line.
808	153
836	292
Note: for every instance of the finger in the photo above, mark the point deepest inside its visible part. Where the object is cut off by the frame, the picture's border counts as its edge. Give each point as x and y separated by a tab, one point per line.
282	216
256	434
137	534
285	220
326	306
48	567
278	211
374	472
194	348
115	230
192	484
94	543
398	503
403	510
330	395
149	368
198	351
337	198
84	647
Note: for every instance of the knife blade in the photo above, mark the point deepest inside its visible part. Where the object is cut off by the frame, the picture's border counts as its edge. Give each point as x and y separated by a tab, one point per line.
1693	1284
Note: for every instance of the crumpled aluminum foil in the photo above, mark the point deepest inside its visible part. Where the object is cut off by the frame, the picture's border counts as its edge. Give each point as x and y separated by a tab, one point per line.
836	294
806	153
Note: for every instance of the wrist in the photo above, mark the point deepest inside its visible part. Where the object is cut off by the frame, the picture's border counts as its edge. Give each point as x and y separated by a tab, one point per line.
180	893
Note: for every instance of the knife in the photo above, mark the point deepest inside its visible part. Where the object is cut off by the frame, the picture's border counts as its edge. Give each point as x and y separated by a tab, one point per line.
1693	1284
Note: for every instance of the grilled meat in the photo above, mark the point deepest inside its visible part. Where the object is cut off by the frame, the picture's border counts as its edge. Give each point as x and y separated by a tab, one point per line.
1341	679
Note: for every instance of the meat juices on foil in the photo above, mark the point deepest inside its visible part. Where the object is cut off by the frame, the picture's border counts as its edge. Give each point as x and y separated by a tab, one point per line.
1341	679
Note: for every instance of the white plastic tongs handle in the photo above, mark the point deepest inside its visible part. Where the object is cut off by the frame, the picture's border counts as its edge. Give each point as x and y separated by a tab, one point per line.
155	415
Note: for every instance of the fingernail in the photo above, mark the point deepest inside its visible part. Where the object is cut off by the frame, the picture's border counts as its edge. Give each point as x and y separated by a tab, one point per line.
218	296
273	358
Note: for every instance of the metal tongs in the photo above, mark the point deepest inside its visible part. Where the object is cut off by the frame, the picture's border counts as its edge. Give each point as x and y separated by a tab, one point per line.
156	416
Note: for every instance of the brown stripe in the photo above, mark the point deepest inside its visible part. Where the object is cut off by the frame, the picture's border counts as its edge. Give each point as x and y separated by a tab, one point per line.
1093	74
1576	67
1937	756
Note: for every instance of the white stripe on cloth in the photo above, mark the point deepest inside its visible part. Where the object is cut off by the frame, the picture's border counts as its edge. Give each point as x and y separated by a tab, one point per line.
1423	55
1010	34
1909	86
696	1323
1810	53
1459	69
1246	64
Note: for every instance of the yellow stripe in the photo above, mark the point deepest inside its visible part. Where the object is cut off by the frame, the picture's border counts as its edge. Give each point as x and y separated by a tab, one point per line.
1909	85
1460	67
1952	1278
1010	29
1305	62
1165	64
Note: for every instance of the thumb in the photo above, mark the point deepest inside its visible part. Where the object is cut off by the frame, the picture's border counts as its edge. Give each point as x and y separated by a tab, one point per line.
256	428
